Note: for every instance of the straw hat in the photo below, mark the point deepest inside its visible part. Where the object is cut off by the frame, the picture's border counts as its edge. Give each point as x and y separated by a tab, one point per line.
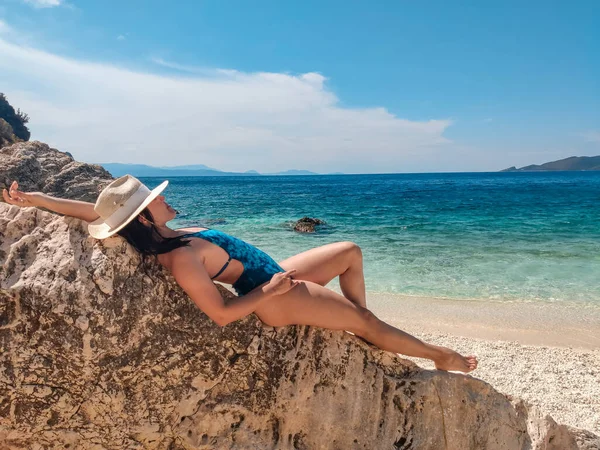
119	203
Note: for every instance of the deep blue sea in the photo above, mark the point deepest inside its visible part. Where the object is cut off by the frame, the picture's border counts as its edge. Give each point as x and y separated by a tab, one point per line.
501	236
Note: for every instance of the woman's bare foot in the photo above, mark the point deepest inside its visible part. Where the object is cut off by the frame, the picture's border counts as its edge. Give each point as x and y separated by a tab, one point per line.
450	360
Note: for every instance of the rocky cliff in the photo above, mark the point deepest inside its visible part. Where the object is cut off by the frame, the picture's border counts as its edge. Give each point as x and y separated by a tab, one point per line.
102	350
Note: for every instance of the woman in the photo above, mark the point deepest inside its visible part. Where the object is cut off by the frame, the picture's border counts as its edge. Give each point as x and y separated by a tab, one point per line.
288	293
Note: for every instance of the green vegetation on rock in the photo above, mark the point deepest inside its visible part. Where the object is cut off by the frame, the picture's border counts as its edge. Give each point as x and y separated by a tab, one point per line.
16	119
7	136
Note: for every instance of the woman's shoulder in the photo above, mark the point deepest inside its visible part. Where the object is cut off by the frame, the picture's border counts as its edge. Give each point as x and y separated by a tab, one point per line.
176	256
180	253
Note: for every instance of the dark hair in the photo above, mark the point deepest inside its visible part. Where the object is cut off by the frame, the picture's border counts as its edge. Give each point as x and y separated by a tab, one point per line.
147	239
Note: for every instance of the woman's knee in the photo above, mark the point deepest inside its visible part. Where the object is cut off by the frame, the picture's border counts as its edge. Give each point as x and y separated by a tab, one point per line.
352	248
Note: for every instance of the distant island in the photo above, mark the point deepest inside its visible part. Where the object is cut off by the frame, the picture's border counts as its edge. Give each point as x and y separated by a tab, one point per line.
571	164
196	170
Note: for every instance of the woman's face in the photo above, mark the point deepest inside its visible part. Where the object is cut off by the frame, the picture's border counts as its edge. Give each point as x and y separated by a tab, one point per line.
161	211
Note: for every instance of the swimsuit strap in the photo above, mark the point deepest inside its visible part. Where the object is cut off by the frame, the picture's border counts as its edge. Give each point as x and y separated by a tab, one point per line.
222	269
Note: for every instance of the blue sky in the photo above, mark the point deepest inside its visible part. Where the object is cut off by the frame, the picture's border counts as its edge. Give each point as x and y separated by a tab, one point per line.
357	87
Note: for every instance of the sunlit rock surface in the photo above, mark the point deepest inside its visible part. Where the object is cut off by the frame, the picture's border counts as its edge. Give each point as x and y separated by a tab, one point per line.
37	167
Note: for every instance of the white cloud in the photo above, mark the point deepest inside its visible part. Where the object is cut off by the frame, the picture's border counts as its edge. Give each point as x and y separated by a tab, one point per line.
121	37
225	119
193	69
4	28
44	3
591	136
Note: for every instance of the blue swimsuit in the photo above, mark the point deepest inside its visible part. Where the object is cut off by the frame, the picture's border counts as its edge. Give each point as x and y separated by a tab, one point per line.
258	266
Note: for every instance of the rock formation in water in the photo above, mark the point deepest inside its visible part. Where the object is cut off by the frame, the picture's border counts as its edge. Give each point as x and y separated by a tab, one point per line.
101	349
307	224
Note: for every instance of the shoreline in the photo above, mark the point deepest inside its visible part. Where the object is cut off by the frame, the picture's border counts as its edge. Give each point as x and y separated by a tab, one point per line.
573	325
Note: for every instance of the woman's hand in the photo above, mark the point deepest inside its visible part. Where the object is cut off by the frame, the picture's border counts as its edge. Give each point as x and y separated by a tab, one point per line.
282	282
74	208
18	198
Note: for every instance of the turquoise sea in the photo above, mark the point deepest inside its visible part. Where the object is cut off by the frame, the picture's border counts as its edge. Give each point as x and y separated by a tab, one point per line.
501	236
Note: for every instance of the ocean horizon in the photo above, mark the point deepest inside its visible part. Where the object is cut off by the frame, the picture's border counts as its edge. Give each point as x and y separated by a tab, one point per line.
502	236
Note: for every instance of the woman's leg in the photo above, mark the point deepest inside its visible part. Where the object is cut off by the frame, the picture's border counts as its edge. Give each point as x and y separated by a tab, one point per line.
322	264
312	304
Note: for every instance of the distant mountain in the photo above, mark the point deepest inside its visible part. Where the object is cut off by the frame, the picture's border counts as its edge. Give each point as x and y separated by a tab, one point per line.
190	167
571	164
142	170
293	172
197	170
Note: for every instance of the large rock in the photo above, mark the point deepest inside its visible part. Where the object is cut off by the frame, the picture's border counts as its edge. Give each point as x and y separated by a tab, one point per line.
38	167
101	349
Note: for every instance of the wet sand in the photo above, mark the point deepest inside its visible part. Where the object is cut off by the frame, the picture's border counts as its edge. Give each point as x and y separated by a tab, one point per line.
547	324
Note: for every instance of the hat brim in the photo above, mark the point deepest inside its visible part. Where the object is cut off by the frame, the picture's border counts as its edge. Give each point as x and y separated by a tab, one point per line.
100	230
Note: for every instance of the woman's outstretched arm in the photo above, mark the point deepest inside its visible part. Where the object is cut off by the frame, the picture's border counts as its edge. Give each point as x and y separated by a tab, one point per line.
74	208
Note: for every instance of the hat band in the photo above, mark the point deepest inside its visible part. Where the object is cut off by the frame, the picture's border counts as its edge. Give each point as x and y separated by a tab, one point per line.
127	208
